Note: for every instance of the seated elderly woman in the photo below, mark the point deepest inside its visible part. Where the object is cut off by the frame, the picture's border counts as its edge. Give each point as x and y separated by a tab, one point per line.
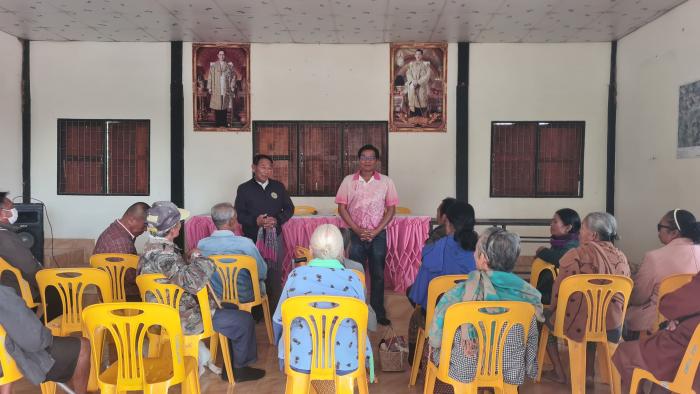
595	255
680	234
661	353
324	275
564	228
496	253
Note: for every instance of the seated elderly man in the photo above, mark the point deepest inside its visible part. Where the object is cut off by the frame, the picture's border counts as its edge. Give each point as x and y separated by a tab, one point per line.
324	275
224	241
119	237
162	256
40	356
18	255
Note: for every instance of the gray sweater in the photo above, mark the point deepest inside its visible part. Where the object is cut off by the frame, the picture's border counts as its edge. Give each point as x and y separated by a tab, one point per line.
27	339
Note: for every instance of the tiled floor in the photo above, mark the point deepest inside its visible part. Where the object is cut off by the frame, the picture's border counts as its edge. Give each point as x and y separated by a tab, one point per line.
389	382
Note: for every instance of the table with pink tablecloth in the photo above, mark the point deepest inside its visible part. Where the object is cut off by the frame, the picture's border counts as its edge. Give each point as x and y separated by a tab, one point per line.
405	237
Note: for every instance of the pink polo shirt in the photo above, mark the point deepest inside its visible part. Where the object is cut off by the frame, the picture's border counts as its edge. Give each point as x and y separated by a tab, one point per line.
366	201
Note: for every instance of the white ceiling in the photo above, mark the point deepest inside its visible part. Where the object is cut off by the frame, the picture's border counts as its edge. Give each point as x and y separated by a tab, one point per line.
328	21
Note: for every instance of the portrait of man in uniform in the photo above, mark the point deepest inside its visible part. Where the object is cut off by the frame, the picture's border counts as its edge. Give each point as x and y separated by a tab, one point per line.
221	80
418	87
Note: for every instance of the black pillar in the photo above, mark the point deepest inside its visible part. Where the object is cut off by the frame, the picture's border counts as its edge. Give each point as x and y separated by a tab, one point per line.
612	119
177	131
462	108
26	125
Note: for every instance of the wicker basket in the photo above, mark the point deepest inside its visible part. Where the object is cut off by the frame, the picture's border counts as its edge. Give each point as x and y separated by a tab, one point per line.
394	358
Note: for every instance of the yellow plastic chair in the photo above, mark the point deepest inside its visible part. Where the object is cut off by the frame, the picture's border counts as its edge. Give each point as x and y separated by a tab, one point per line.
683	381
539	266
489	370
127	323
24	290
229	266
403	211
170	294
361	275
301	251
71	284
669	285
436	288
323	325
10	371
116	265
597	296
305	210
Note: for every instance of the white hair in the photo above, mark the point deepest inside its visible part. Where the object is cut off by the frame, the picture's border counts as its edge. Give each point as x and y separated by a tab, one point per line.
327	242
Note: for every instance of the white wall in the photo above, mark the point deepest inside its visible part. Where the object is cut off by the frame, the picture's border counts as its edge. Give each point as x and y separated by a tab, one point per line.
653	62
537	82
11	114
319	82
88	80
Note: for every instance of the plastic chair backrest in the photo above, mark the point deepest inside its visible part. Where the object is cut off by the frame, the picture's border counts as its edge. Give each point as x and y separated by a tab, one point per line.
539	265
71	284
128	322
598	291
360	275
24	290
229	266
304	210
491	329
301	251
403	211
689	365
436	288
171	294
116	265
669	285
323	325
10	371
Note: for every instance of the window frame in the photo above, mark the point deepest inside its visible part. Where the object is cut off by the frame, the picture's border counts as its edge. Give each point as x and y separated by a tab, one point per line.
535	178
297	124
105	170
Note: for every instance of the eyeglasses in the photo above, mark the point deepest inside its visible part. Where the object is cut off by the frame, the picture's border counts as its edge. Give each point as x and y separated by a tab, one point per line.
660	226
367	158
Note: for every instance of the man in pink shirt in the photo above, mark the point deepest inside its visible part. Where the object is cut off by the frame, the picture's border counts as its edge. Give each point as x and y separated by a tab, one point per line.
367	202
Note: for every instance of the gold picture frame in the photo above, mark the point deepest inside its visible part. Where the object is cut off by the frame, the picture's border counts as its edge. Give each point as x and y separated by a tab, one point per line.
418	87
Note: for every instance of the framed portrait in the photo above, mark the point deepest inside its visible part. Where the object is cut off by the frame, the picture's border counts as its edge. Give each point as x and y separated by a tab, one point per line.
418	96
221	86
689	121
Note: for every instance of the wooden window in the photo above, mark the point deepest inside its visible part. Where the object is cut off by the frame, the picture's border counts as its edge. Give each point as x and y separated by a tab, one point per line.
311	158
537	159
103	157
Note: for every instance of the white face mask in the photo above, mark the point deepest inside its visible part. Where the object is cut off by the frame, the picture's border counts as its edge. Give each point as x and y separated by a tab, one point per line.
12	219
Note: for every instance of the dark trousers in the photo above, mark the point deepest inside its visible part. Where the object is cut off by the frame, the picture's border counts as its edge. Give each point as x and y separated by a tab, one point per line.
374	253
220	117
239	327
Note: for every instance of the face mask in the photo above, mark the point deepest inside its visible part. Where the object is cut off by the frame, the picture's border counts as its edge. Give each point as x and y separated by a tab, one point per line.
12	219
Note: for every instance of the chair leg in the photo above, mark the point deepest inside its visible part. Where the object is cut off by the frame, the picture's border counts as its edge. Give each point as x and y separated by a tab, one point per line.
214	346
417	355
362	385
226	355
297	383
345	384
430	376
577	364
541	351
615	380
156	388
268	319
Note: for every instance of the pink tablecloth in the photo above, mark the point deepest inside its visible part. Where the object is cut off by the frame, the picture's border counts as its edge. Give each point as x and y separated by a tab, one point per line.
198	227
405	238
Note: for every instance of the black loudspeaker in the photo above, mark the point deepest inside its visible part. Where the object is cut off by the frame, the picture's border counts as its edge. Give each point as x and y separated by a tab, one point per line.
30	221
